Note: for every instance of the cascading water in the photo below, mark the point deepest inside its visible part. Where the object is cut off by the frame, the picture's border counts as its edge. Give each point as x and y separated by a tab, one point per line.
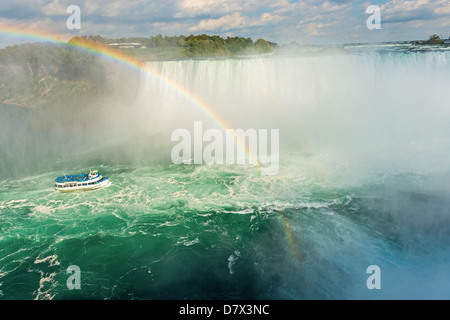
362	180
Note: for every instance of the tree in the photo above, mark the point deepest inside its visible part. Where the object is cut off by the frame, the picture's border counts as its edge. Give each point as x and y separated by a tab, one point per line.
434	39
262	46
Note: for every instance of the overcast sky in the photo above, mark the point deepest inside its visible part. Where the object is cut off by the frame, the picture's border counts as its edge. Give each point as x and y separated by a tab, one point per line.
281	21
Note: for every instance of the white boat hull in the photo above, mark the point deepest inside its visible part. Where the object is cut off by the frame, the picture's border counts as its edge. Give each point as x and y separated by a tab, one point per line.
102	184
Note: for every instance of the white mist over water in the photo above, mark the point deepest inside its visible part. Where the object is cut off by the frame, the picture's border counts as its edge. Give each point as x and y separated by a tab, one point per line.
376	120
385	111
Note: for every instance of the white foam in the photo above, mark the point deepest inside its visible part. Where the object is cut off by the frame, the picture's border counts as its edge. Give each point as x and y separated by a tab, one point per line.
52	260
45	295
244	211
232	259
190	243
44	209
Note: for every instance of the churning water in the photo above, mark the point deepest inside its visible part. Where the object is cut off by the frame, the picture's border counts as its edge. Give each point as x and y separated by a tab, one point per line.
363	180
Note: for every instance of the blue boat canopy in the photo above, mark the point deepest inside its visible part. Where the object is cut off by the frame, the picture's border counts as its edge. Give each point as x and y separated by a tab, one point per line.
75	178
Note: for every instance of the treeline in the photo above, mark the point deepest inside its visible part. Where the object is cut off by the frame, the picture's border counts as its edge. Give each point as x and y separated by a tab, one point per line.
204	45
194	46
153	42
433	39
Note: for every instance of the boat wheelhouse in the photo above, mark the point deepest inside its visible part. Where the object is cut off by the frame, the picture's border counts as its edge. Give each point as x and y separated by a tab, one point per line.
83	182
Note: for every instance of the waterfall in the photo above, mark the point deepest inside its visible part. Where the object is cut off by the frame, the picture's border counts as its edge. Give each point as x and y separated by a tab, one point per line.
362	183
389	108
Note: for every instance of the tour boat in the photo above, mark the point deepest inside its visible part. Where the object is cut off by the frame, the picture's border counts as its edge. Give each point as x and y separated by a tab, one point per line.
83	182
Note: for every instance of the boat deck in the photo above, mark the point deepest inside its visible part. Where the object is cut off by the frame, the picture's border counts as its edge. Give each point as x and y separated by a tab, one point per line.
75	178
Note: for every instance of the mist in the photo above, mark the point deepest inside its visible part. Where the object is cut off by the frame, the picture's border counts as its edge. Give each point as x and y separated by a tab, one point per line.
384	112
373	123
387	112
363	170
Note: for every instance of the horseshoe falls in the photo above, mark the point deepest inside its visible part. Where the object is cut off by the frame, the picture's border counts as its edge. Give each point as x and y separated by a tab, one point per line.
363	180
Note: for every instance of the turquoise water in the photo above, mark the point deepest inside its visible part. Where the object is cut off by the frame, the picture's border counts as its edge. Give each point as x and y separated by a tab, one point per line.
165	231
199	232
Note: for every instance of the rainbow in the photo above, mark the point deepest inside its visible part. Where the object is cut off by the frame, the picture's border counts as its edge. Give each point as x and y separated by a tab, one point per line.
119	57
130	62
290	239
141	67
